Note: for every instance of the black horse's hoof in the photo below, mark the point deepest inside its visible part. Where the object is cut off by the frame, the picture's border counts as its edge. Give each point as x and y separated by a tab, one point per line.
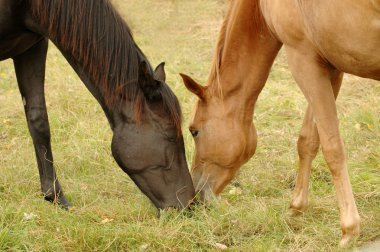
65	204
60	200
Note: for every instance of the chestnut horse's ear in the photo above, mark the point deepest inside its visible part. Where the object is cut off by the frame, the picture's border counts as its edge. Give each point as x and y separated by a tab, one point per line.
193	86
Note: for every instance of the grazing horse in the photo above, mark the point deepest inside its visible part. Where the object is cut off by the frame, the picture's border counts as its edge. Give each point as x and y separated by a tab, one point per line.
314	36
142	111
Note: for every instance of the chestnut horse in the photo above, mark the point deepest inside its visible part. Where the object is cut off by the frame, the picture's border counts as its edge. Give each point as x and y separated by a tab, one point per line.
143	112
314	36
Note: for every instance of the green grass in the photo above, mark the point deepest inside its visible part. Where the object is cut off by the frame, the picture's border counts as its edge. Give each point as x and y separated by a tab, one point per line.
111	214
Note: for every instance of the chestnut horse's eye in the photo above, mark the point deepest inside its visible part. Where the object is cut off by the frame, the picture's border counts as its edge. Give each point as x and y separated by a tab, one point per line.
194	132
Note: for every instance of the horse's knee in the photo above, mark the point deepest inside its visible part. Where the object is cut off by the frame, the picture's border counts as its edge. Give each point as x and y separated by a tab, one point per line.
38	122
335	156
307	146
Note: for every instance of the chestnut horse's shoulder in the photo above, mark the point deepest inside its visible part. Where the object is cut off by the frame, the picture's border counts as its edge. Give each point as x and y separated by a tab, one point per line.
284	20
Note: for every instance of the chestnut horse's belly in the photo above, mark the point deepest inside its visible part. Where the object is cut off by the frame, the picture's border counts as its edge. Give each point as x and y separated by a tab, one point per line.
344	33
364	64
347	34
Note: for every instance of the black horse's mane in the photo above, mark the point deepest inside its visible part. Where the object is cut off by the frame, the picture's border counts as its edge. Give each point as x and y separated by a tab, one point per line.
101	41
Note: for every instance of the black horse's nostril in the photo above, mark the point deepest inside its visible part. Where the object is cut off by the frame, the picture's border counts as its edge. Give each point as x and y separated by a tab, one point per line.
192	204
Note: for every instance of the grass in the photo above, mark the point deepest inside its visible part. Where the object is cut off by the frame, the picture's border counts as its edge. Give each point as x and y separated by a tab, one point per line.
111	214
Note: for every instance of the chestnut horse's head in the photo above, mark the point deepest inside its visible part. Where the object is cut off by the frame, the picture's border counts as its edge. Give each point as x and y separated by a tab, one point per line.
224	140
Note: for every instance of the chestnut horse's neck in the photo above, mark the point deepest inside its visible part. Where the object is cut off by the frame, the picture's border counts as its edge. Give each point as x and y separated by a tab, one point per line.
245	53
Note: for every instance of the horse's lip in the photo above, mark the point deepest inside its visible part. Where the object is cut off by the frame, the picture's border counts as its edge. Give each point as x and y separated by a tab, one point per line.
189	207
160	211
188	211
205	194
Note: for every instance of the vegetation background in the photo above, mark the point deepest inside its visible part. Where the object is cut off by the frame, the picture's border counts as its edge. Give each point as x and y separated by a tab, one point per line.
111	214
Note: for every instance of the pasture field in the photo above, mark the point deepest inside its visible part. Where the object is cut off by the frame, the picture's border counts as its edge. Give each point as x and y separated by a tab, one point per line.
110	213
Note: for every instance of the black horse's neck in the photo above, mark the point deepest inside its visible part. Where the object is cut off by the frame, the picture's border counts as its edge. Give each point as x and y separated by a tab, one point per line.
97	43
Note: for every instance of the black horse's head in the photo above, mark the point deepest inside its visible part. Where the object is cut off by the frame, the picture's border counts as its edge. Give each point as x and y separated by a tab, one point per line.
148	143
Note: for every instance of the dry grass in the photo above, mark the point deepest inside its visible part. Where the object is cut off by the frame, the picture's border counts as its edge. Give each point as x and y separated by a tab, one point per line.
111	214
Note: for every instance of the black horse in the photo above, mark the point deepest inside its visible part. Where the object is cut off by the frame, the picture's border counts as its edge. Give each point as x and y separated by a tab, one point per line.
142	111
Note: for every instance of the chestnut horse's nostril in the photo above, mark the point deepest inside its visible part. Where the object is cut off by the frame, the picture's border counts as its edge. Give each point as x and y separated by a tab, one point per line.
199	196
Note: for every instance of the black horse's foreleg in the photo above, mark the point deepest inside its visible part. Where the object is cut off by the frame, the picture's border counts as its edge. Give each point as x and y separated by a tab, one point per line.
30	72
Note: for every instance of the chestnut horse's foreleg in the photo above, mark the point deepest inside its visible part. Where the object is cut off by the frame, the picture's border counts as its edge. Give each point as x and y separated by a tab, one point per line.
30	72
314	79
308	145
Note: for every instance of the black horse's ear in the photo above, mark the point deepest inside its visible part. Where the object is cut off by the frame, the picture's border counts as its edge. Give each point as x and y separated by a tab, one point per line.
159	72
144	73
147	83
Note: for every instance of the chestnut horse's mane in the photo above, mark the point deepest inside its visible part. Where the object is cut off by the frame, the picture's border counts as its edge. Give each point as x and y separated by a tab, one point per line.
258	23
100	40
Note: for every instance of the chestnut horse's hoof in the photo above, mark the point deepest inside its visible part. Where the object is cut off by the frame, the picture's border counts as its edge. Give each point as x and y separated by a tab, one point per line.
346	240
292	212
350	233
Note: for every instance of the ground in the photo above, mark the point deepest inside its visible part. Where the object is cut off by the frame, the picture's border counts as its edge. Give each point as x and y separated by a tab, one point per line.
109	211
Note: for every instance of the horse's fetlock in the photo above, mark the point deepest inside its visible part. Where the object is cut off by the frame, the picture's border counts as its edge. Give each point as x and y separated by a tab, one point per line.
351	225
298	205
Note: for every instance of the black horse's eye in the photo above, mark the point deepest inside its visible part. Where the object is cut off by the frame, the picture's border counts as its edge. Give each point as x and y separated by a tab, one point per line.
172	139
194	132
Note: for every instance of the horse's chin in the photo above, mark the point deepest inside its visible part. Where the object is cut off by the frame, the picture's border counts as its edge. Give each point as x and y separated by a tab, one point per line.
166	210
206	195
204	190
188	209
